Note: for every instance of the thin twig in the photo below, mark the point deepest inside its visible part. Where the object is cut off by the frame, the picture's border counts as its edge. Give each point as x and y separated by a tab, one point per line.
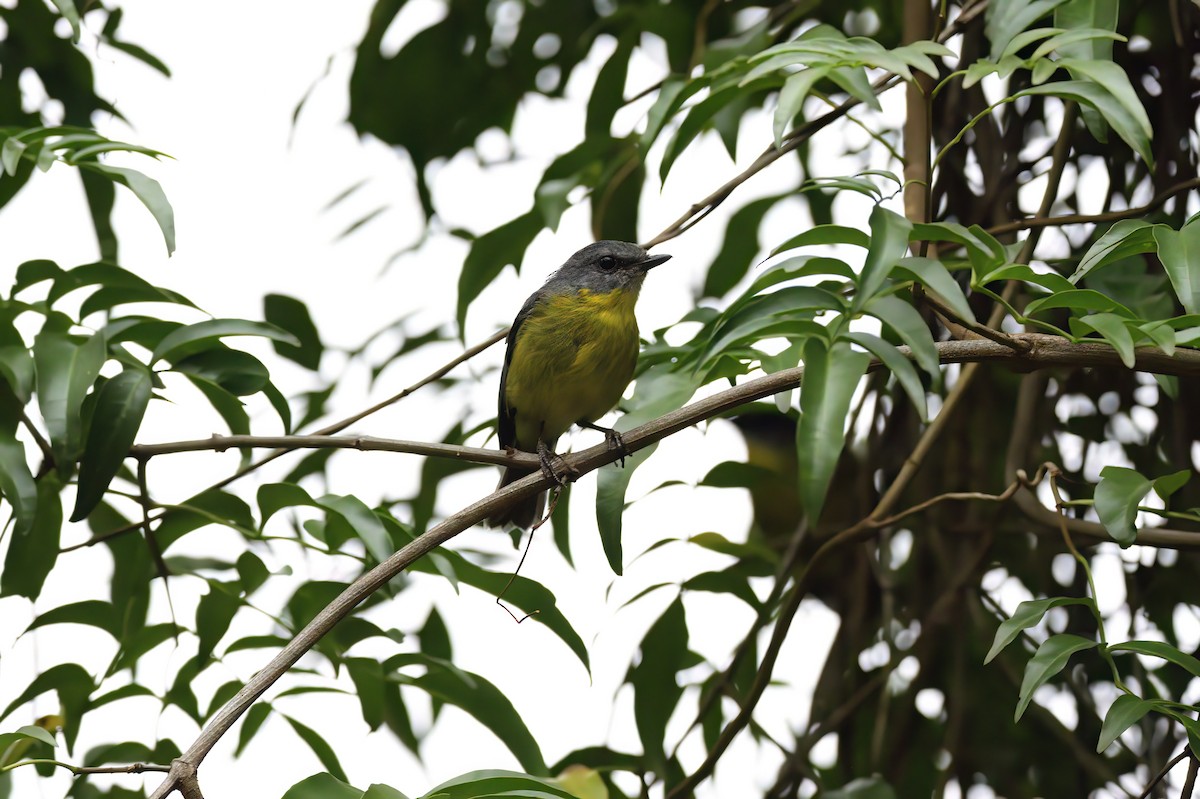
220	443
39	439
1110	216
79	771
336	427
151	542
1163	773
1189	784
341	425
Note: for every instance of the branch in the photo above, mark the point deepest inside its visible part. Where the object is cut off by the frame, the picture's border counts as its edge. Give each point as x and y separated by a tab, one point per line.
1044	351
329	430
79	771
38	438
1111	216
1163	773
339	426
219	443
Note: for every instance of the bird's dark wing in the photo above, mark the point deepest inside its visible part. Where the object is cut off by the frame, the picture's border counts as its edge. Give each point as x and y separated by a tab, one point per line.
506	419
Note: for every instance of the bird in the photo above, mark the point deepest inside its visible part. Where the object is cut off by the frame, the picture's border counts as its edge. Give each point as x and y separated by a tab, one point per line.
571	353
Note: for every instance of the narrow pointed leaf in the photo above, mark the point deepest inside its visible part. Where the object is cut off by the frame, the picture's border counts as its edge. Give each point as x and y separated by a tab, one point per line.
830	379
1050	658
1124	713
120	406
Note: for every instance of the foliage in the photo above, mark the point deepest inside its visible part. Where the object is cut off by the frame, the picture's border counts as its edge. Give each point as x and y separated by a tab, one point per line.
908	496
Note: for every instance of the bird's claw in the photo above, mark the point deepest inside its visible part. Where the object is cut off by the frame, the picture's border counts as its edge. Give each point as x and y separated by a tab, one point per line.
615	441
555	467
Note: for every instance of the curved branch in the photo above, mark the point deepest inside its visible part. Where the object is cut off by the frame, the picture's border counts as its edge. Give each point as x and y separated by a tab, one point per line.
1044	351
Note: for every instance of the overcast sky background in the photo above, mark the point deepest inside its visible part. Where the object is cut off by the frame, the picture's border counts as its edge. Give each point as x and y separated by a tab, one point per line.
251	195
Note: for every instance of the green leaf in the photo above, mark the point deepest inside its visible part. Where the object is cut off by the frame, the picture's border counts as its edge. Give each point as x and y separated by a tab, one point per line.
380	791
366	525
791	98
1050	281
1162	650
34	547
117	417
191	339
1112	328
825	234
1125	238
1078	300
322	786
725	581
1179	251
71	14
145	189
239	373
290	314
255	716
1050	658
830	379
935	277
1126	711
1082	15
65	371
321	748
370	687
1130	127
1008	18
1168	484
273	497
526	594
659	390
214	613
497	783
16	362
1117	497
91	612
16	483
71	683
1112	79
889	243
910	327
656	689
30	732
110	276
227	406
900	367
1027	614
490	253
481	699
984	252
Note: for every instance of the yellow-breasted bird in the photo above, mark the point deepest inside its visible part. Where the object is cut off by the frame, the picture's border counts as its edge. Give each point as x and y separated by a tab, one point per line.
571	353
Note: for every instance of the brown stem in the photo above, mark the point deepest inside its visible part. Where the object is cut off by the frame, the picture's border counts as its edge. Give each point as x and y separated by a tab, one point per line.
1110	216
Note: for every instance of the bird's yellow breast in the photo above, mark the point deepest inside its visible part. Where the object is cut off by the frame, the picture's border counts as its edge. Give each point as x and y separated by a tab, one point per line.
572	359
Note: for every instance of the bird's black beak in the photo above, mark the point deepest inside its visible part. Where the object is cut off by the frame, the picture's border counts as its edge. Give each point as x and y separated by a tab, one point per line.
653	261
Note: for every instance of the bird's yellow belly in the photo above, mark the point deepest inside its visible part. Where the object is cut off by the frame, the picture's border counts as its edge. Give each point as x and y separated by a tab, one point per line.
572	361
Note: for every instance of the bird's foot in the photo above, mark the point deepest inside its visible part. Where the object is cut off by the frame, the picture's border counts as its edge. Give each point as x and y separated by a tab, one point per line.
555	467
614	439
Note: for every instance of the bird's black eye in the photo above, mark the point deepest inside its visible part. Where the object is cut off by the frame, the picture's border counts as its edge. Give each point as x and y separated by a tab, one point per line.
607	262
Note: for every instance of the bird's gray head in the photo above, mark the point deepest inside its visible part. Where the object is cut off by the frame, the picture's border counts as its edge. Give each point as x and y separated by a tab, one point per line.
603	267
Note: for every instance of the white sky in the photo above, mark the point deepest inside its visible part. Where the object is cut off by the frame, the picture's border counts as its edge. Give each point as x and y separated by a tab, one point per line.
249	194
250	220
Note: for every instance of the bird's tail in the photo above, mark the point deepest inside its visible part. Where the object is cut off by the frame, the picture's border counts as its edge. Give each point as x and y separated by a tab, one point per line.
526	511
